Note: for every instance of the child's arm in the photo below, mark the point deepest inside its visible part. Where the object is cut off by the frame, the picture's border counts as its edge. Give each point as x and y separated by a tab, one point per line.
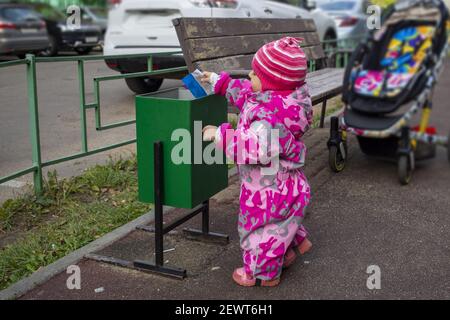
235	90
306	110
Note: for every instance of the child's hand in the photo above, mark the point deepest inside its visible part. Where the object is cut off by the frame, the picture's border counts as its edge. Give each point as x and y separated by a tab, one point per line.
206	77
209	133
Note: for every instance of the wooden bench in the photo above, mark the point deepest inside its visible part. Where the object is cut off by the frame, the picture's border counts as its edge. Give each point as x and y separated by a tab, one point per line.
217	44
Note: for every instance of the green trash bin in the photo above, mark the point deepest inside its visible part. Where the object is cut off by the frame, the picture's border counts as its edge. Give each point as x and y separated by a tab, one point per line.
158	116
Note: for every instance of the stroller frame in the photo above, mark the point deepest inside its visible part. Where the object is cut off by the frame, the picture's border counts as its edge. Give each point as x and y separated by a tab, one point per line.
408	139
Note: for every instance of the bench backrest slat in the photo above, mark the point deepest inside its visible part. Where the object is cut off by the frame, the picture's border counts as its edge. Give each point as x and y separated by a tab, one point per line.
217	44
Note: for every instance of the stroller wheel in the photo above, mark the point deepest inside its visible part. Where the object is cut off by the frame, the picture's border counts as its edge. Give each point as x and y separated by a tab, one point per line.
336	159
404	169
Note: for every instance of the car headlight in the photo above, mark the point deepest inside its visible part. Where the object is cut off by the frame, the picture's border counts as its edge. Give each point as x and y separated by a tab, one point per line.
229	4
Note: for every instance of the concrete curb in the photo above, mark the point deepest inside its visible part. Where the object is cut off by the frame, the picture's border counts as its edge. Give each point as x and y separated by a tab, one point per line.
42	275
20	288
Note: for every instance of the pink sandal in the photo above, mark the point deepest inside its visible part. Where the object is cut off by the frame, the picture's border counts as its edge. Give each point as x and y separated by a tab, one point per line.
292	253
243	279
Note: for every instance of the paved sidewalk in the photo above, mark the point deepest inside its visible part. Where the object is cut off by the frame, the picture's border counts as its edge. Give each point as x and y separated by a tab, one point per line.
358	218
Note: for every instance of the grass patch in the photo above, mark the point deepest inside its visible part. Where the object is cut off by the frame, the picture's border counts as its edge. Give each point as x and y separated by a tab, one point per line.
333	105
69	214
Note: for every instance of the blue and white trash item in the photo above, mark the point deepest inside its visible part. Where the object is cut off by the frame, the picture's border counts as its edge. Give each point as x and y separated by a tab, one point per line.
195	86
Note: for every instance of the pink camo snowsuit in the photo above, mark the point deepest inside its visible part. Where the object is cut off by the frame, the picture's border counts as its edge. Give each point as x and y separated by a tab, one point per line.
271	206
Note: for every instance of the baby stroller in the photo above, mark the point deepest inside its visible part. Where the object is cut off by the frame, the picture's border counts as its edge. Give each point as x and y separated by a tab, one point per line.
389	78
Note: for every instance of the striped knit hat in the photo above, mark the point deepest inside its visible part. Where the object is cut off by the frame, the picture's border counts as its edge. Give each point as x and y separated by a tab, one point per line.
281	64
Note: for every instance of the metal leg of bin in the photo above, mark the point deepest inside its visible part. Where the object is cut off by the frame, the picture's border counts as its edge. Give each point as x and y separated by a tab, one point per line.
158	265
323	113
204	234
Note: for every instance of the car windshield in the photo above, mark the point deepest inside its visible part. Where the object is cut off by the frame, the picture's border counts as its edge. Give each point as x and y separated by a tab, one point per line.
338	6
49	12
17	14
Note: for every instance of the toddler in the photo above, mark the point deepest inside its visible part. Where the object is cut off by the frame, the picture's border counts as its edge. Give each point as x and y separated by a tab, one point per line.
272	203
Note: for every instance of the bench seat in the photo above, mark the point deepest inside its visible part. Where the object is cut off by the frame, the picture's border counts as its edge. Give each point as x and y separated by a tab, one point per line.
323	84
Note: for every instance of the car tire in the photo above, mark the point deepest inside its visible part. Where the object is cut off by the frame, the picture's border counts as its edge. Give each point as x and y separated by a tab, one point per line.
330	48
143	84
330	36
83	51
52	50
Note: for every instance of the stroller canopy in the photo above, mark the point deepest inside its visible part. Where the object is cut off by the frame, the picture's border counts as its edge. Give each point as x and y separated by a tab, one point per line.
394	65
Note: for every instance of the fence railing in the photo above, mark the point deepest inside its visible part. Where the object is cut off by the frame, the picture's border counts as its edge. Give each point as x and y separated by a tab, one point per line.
336	49
33	107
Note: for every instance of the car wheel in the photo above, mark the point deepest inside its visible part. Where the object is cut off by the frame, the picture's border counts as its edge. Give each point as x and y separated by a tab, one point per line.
21	55
83	51
330	47
52	50
143	84
329	42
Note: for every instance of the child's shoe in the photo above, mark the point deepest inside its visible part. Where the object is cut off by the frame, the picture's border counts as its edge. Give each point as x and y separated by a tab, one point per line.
291	253
243	279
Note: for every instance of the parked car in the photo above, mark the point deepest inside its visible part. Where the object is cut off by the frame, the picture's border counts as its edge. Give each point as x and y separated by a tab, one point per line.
350	16
21	31
145	26
62	37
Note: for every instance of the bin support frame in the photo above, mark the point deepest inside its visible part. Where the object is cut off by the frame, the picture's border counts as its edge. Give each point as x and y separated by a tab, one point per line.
157	266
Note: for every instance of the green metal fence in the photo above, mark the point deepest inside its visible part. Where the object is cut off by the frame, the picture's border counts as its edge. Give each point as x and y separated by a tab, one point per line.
338	51
33	106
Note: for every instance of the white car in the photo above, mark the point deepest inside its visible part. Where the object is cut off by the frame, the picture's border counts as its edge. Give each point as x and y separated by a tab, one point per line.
145	26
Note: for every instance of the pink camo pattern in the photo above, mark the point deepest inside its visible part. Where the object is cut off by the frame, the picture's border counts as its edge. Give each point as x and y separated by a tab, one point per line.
271	206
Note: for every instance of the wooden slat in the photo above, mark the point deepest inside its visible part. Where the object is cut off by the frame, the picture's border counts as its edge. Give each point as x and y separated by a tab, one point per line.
314	52
228	63
311	76
191	28
210	48
322	74
244	62
323	84
229	44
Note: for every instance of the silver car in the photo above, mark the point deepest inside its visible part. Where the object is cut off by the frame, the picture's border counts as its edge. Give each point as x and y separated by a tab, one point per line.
21	30
350	16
